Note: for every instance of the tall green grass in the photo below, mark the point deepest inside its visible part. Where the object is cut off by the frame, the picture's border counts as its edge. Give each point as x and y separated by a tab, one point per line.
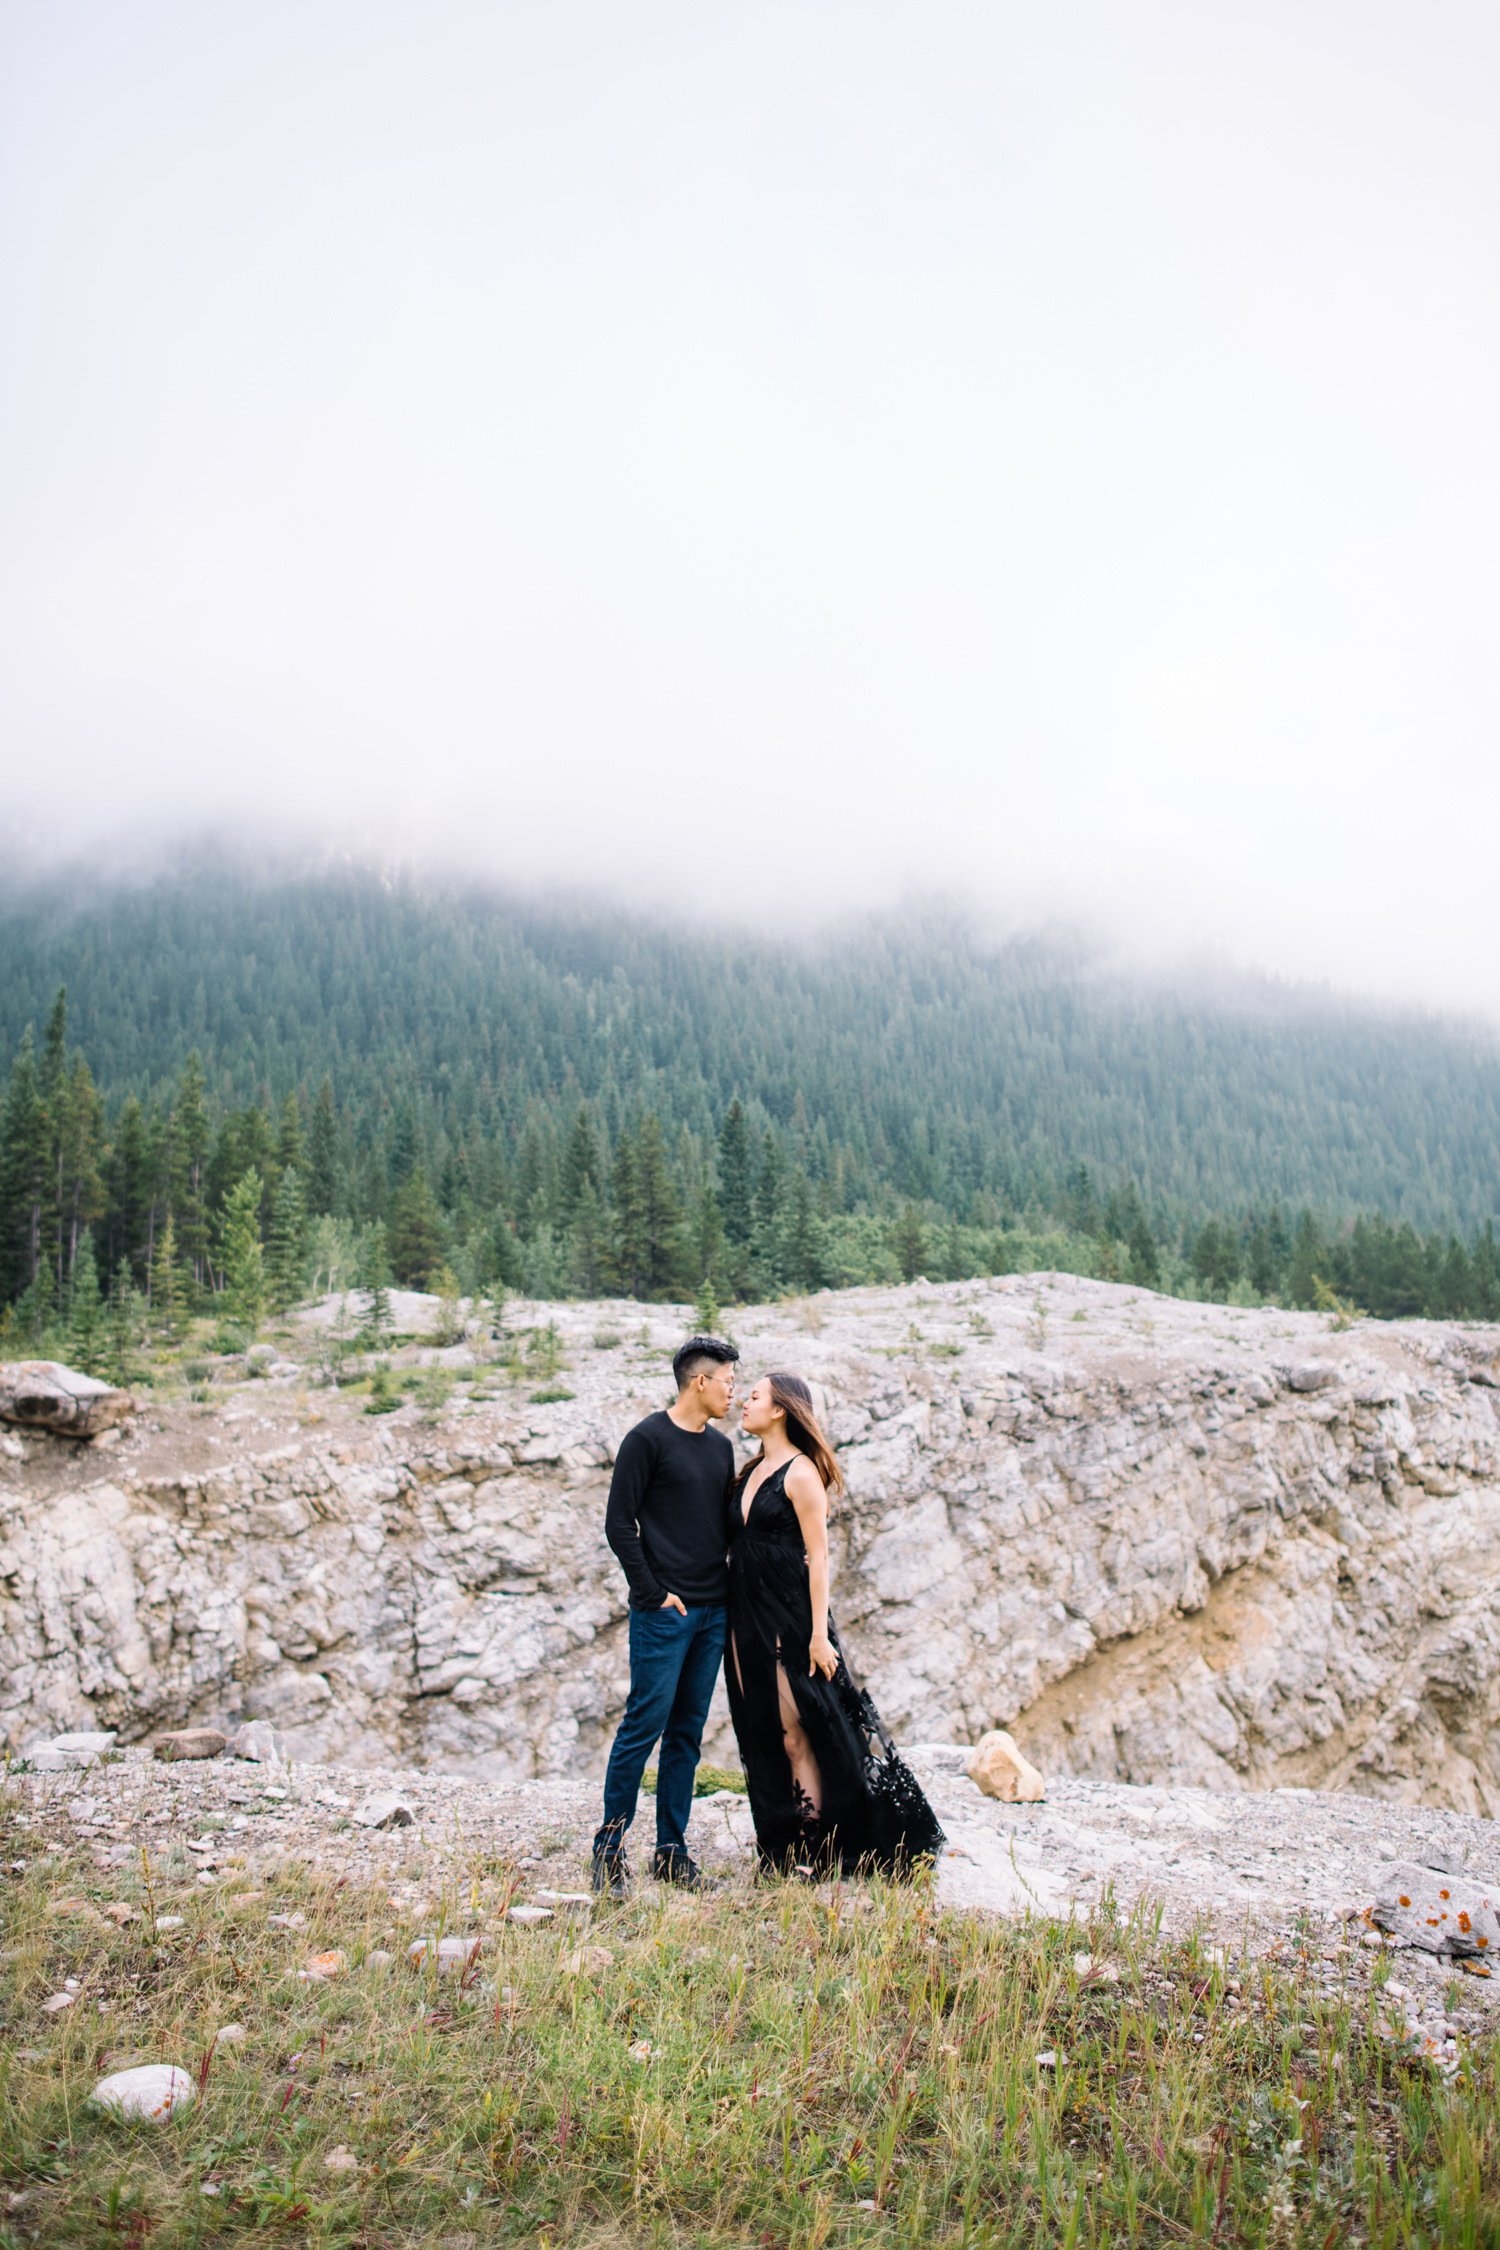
764	2066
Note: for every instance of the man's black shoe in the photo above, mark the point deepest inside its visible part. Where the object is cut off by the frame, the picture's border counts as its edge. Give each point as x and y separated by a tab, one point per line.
610	1872
676	1867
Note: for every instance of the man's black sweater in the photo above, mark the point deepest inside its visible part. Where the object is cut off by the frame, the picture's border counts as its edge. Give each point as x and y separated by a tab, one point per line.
668	1512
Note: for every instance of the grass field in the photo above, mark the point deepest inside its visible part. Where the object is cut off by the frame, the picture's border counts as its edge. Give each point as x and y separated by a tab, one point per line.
767	2066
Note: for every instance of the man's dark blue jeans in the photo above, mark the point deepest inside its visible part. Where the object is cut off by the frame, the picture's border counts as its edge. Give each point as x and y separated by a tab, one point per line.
674	1662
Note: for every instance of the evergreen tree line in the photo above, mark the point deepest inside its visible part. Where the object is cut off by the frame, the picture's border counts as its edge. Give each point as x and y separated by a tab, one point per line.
902	1062
184	1203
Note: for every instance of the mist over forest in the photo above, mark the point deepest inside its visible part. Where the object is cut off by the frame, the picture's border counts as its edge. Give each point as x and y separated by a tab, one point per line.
439	1081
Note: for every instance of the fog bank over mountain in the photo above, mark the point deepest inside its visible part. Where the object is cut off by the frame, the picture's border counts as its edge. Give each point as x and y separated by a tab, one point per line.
1137	931
773	462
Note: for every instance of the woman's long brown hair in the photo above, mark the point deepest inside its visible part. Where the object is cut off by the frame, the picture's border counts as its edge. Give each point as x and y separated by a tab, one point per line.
792	1395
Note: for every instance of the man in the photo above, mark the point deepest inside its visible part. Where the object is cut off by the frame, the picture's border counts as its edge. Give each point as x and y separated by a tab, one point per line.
667	1520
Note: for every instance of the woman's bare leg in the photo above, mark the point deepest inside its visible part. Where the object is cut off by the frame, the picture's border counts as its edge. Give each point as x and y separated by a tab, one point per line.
806	1778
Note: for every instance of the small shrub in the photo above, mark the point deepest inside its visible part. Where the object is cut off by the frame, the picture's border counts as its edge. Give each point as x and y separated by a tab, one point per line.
432	1389
607	1339
551	1397
384	1397
230	1341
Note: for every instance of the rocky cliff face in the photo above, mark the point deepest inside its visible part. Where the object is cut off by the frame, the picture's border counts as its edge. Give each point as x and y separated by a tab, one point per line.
1164	1543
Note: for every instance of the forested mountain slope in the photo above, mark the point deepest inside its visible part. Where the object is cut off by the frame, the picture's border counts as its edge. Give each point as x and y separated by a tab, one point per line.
904	1062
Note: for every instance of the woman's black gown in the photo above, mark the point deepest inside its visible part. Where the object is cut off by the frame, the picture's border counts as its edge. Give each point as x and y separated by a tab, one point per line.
873	1812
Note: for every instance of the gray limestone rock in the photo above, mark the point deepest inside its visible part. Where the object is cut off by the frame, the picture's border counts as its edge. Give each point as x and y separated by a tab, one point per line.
41	1394
191	1742
65	1751
385	1809
1438	1911
1136	1543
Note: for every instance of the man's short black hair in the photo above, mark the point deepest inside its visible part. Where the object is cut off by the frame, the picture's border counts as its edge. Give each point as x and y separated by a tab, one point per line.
700	1351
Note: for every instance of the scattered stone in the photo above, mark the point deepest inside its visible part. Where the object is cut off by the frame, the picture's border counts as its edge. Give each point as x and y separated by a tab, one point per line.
42	1394
319	1967
528	1916
568	1899
998	1767
450	1956
65	1751
1051	2058
1311	1375
1437	1911
230	2035
384	1810
379	1959
76	1910
170	1921
297	1921
191	1742
588	1960
341	2159
58	2001
152	2091
640	2050
258	1741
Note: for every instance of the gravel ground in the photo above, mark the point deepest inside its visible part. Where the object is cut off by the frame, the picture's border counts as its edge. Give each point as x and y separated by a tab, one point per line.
1285	1874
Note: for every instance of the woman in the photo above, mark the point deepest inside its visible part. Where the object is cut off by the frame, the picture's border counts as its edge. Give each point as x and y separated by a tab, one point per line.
826	1786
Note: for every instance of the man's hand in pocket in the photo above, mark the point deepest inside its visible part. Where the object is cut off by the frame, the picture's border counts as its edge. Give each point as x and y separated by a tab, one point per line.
675	1601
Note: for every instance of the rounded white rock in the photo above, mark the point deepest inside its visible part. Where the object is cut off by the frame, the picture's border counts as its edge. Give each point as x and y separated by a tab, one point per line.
152	2090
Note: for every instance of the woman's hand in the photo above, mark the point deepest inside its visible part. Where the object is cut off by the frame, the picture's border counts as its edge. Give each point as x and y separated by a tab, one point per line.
823	1656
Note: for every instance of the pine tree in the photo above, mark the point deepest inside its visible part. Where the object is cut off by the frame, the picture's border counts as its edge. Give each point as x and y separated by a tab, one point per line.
82	1135
1144	1261
707	1235
910	1243
189	1190
374	1280
323	1154
580	1166
286	1250
1215	1258
1309	1254
765	1237
241	1258
124	1326
167	1282
291	1146
628	1247
803	1237
661	1213
53	1085
127	1179
23	1171
404	1153
1080	1204
86	1309
415	1239
588	1238
736	1186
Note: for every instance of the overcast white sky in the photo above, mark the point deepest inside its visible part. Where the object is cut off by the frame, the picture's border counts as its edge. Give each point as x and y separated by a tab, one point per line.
789	453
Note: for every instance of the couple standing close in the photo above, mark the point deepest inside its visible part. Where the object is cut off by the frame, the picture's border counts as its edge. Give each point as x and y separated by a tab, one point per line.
732	1568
